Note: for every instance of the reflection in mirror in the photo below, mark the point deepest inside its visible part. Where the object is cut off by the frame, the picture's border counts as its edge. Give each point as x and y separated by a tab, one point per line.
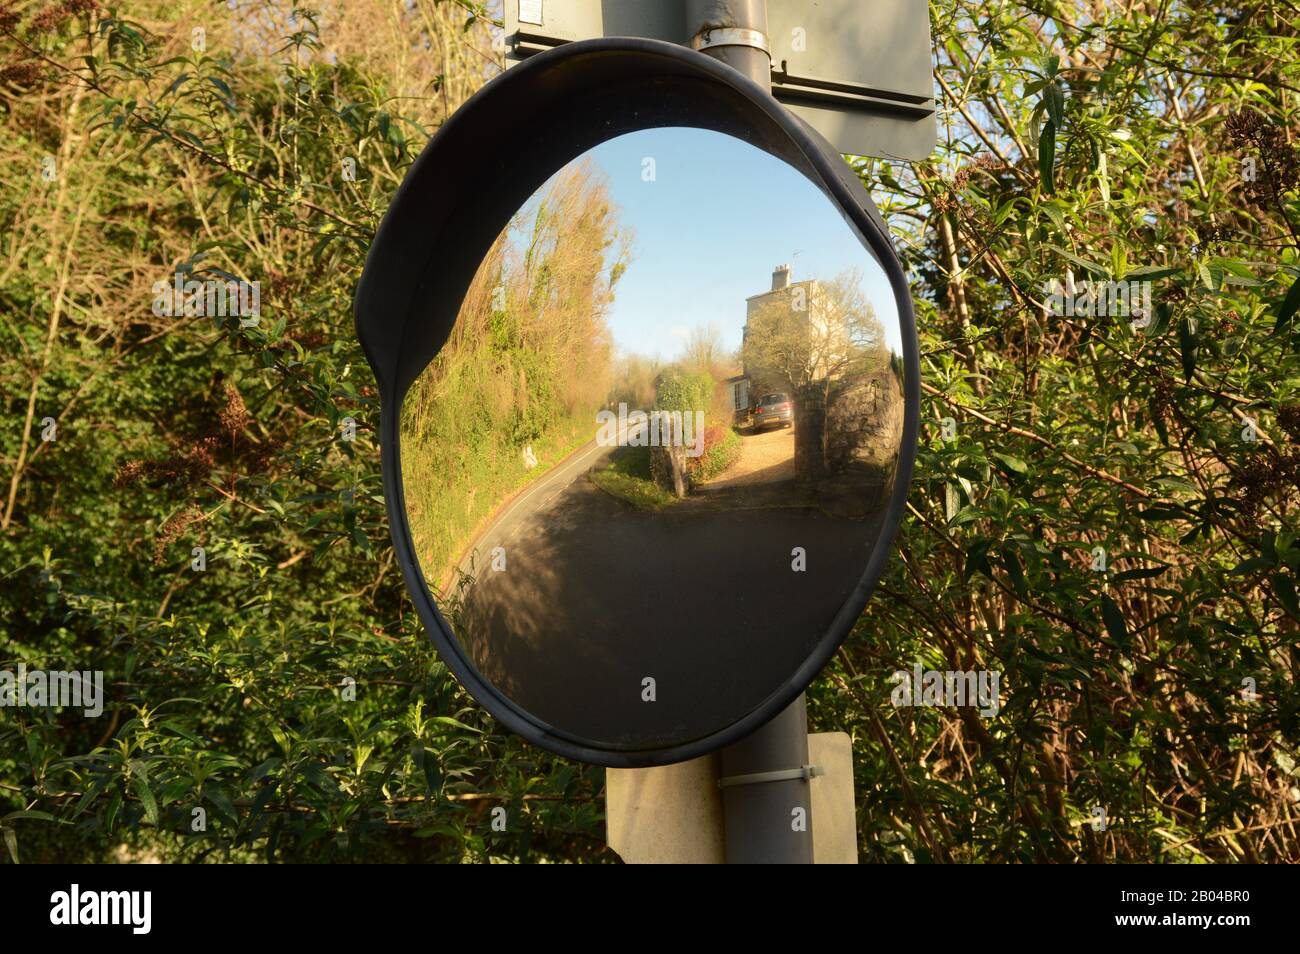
652	460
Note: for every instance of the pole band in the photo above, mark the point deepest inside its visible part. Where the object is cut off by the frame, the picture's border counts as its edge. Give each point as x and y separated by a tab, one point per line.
730	36
781	775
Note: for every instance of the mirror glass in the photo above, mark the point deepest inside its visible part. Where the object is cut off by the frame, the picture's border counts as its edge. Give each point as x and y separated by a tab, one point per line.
649	465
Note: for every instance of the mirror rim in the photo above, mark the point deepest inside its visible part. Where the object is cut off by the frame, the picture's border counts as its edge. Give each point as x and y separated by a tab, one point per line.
392	297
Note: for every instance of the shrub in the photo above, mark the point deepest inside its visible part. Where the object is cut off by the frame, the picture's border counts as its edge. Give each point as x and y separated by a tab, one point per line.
721	449
680	390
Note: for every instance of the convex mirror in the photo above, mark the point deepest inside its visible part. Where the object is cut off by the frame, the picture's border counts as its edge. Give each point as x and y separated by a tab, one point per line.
649	399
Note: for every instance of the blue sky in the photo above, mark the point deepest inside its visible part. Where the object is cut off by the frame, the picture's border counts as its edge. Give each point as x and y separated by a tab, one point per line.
718	217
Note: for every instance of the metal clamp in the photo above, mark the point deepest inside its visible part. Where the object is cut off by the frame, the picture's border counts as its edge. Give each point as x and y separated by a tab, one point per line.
788	88
782	775
710	37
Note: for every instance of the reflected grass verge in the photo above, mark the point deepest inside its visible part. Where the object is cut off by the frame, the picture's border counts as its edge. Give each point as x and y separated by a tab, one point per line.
449	504
626	475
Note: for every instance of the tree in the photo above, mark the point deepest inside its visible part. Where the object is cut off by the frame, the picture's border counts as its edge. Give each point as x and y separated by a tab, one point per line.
811	334
1104	503
704	350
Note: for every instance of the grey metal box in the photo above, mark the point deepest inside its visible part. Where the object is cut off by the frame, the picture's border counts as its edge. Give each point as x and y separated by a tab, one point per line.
857	71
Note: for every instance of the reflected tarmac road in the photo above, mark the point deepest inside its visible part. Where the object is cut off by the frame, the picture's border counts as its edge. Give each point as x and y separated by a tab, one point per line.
598	595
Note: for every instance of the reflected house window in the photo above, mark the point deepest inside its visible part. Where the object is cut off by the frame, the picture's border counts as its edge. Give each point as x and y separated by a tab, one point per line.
739	393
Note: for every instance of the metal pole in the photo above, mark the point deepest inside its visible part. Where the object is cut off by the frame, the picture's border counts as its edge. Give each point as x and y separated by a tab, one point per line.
766	806
735	32
766	799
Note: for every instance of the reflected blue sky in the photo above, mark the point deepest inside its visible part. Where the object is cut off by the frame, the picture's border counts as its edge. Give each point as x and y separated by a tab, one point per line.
710	227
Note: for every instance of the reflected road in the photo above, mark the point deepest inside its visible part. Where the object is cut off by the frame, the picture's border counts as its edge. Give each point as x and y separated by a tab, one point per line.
702	598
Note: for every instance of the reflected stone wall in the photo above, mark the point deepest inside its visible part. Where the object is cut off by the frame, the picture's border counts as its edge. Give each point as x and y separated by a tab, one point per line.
864	417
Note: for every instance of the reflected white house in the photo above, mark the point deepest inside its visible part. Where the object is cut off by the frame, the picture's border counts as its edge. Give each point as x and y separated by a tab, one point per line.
804	309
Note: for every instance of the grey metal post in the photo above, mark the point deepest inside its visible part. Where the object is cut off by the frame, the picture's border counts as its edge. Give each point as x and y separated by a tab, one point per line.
766	796
735	32
766	806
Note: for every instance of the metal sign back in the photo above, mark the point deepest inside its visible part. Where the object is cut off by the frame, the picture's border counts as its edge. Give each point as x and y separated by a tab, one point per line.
857	71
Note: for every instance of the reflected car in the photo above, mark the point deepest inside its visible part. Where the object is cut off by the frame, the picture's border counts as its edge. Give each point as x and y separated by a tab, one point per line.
773	409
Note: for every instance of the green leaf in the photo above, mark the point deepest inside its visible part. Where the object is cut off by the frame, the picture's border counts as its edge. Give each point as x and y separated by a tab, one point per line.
1114	618
1056	214
222	86
1251	565
1158	421
180	730
1288	308
1047	157
1238	270
1187	347
1211	276
1092	268
1150	272
114	806
427	762
977	560
360	538
1284	587
38	816
1141	573
223	804
448	720
1011	561
1054	101
1164	313
1012	463
147	799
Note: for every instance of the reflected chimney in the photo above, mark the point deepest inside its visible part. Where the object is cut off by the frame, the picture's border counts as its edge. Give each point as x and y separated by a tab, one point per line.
780	277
